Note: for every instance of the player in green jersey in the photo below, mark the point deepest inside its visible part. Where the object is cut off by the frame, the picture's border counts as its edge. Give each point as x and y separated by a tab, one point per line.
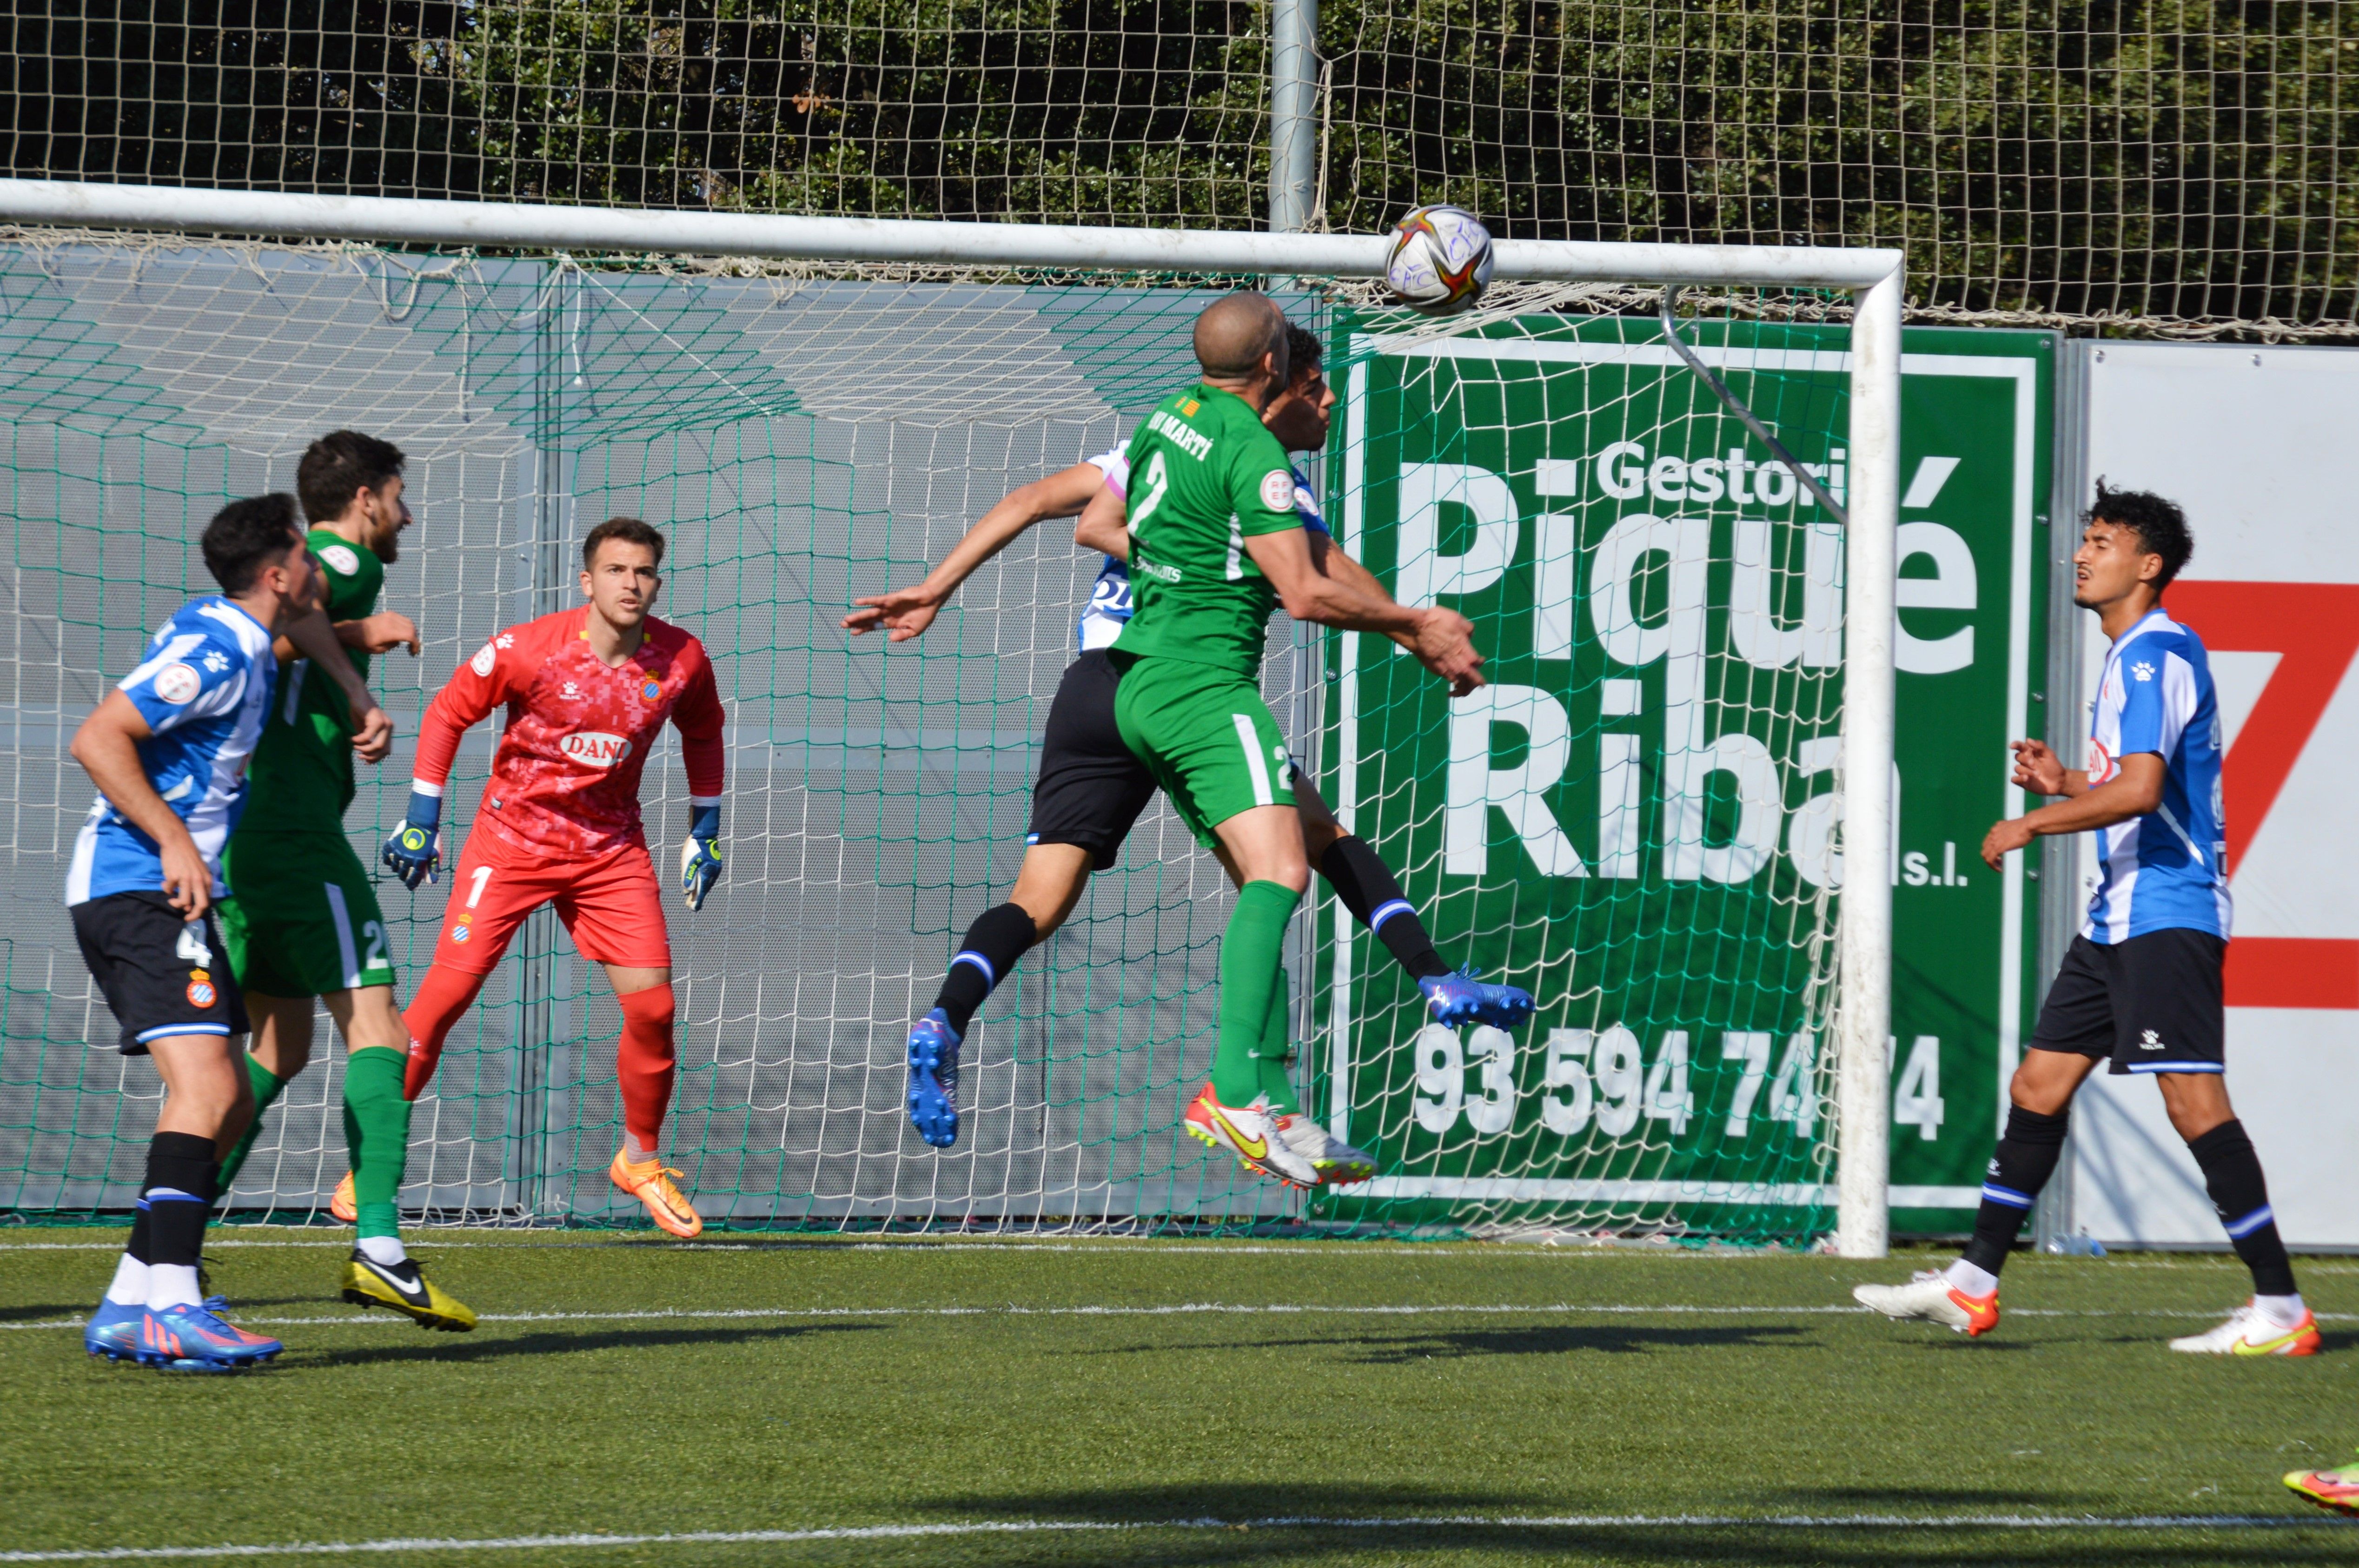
1215	545
303	921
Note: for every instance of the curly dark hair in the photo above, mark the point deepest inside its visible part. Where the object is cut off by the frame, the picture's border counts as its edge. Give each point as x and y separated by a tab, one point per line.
2160	526
1303	351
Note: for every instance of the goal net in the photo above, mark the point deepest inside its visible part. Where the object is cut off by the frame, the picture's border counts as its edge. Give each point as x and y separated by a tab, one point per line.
1635	820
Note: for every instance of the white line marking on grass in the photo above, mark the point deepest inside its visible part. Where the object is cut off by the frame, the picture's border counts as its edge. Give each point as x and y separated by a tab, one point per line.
1192	1308
1039	1526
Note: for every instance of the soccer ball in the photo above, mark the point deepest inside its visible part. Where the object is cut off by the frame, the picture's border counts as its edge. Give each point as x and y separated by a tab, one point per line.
1439	260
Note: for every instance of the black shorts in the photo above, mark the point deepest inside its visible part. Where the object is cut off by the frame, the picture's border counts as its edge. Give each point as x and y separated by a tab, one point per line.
1090	789
2151	1003
161	972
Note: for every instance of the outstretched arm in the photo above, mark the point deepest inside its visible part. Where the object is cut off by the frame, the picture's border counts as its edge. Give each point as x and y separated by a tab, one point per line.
905	613
1442	639
315	638
414	851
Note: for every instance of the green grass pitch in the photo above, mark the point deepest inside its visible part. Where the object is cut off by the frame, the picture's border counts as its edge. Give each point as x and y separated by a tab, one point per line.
1216	1402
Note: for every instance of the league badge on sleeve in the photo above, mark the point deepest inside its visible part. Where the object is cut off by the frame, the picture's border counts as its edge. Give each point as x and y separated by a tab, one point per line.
179	684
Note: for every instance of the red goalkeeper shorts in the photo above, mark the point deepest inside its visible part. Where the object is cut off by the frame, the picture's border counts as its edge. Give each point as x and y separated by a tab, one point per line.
611	903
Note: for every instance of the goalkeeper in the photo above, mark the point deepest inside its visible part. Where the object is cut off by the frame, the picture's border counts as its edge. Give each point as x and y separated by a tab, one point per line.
1092	789
303	923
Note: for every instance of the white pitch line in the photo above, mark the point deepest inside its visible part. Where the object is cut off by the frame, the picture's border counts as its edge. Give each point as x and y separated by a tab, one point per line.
2145	1522
1202	1309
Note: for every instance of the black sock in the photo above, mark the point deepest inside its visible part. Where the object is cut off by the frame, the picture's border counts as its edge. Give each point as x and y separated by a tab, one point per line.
2025	1158
1369	890
178	1190
2232	1174
999	938
136	1248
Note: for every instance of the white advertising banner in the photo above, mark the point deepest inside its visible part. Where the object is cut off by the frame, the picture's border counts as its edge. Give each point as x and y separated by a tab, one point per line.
2261	447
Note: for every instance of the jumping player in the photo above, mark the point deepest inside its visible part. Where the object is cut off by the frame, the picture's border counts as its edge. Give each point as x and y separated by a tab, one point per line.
1216	544
303	921
2141	986
1092	789
588	691
168	749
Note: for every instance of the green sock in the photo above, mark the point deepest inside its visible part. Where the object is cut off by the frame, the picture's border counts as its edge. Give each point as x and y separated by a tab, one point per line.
1276	1045
377	1132
266	1086
1250	951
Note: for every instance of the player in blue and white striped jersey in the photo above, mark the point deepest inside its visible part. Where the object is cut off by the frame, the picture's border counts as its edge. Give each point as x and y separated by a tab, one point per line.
2141	986
1090	789
168	749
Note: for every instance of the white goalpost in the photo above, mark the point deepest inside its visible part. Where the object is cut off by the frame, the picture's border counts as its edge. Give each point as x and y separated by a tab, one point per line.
956	723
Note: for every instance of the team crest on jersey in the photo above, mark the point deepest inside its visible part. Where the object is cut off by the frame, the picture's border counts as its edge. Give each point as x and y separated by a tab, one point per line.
595	747
486	657
179	684
650	691
340	559
200	988
1278	490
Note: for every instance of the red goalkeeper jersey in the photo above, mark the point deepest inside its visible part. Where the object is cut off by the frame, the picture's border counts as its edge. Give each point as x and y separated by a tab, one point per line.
565	780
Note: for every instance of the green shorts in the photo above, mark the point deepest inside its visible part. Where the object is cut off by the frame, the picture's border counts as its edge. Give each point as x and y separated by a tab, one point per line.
302	919
1206	736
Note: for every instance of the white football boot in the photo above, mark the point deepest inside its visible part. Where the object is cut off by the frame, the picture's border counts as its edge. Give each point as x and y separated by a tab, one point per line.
1338	1163
1930	1297
2250	1332
1249	1132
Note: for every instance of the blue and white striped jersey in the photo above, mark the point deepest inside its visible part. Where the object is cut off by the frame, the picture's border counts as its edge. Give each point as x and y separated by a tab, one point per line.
1109	605
2167	870
204	688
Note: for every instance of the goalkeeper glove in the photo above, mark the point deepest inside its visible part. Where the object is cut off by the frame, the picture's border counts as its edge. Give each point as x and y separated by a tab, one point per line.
414	853
700	858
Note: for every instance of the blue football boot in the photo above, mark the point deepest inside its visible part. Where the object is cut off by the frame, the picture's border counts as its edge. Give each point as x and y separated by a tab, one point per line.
190	1339
1457	998
114	1331
933	1079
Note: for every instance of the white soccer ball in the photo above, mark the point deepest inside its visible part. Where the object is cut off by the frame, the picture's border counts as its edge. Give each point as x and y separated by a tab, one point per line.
1439	260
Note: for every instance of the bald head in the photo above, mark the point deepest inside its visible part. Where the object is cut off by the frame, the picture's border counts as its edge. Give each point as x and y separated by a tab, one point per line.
1236	331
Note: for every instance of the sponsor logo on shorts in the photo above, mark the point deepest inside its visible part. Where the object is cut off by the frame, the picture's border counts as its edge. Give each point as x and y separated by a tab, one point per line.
486	657
1278	490
179	684
2149	1041
201	989
341	559
595	747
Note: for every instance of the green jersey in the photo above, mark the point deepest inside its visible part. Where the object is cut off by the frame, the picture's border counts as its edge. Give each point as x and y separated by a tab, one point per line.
302	769
1205	477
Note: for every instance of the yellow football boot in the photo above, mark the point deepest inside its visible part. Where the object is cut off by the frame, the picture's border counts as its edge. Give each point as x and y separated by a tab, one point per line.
407	1291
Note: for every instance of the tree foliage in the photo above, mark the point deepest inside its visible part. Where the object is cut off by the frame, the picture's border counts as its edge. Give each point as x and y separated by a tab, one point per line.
2169	159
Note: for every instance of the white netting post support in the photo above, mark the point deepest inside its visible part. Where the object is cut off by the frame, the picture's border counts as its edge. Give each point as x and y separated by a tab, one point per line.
1293	113
1863	1004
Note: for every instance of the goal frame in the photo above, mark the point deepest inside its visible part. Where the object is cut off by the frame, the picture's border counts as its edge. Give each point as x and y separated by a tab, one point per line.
1874	278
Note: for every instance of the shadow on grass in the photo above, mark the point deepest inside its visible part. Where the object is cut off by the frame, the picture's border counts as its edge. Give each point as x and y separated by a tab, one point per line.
74	1310
1451	1344
454	1349
1253	1528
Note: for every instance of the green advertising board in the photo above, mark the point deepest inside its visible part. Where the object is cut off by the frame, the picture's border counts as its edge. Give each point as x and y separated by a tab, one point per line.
1635	817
